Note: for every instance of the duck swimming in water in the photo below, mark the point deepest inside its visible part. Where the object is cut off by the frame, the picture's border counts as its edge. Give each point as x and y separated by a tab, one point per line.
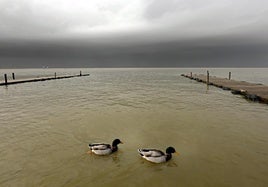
104	149
157	156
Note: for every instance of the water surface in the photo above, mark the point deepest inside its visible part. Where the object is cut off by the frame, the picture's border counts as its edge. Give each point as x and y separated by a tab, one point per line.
45	128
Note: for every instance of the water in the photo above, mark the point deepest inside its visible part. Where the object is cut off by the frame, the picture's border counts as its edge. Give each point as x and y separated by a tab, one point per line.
45	128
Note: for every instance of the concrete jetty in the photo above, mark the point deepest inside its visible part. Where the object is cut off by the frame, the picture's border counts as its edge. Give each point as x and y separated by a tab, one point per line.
251	91
19	81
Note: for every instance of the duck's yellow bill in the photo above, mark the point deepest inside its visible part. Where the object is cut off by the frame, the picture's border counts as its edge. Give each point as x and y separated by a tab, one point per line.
177	153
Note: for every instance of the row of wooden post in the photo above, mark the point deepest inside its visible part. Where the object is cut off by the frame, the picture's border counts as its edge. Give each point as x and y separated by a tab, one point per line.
5	77
208	76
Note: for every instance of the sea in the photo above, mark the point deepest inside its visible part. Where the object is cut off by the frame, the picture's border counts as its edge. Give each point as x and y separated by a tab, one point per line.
45	129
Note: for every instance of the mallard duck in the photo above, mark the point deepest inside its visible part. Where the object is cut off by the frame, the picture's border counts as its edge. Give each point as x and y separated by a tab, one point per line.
157	156
104	149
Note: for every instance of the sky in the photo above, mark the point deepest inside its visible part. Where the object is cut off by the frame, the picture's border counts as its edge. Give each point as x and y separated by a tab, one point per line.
140	33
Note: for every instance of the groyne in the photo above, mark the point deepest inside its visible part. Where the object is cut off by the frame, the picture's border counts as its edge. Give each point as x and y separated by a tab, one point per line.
251	91
19	81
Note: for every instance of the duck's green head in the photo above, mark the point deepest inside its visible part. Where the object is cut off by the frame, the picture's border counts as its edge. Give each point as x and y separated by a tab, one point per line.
116	142
170	150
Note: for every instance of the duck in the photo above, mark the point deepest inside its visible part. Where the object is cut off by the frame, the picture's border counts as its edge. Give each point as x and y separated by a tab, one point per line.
157	156
103	148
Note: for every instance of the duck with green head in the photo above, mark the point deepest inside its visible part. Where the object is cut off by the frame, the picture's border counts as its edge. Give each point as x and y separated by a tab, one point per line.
157	156
103	148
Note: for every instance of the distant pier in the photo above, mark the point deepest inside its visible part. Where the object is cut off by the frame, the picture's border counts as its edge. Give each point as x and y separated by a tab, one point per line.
19	81
251	91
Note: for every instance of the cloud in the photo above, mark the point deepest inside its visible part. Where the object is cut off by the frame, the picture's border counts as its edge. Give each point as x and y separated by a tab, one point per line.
195	18
29	18
162	19
135	32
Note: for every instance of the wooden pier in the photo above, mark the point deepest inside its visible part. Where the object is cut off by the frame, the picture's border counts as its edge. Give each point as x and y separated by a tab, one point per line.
251	91
19	81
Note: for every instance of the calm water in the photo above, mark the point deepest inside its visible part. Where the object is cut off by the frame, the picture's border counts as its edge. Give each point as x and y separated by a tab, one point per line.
45	128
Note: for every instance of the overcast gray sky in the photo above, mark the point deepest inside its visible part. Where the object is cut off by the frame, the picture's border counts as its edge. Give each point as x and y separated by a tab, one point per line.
140	33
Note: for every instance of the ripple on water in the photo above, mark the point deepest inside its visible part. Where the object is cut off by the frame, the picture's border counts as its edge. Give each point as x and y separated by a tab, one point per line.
46	128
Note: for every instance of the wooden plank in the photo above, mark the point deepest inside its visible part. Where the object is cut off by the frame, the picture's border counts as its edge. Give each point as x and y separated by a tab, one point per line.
251	91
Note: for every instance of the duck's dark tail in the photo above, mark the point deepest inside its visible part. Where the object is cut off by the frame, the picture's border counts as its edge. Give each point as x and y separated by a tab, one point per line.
140	151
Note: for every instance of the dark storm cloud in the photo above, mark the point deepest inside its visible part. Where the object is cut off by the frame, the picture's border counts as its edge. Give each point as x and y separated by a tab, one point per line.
199	53
160	33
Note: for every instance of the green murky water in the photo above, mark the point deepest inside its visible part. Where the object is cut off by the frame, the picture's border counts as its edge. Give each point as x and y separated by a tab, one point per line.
45	129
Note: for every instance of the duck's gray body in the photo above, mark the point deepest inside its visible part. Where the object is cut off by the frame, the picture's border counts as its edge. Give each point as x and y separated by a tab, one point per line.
100	148
103	148
153	155
157	156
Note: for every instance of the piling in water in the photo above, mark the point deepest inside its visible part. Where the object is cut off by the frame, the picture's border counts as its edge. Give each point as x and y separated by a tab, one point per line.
5	77
207	77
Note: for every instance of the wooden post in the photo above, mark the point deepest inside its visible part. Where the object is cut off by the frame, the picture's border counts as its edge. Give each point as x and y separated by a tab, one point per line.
80	73
5	78
229	75
55	75
13	76
207	77
191	74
